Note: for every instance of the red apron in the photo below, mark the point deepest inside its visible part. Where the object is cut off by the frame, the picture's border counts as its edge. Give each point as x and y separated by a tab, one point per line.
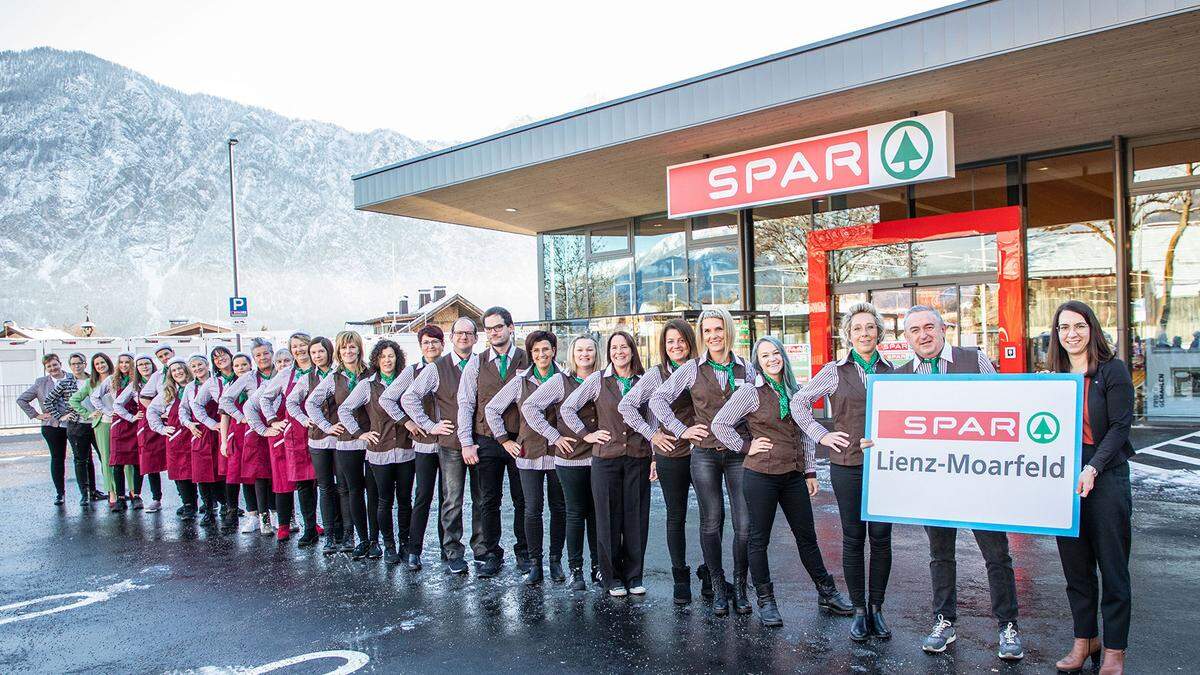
206	450
234	433
152	446
179	445
295	442
123	438
256	450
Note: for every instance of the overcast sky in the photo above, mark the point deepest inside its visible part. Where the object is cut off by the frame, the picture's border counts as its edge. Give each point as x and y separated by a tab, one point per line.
450	71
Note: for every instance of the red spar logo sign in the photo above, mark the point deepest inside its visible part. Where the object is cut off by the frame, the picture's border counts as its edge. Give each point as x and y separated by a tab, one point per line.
950	425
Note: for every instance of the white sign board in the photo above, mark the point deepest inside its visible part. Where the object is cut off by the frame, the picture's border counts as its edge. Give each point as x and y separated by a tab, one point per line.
991	452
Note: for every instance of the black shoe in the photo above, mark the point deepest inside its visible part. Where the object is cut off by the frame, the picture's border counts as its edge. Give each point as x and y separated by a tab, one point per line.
346	545
59	501
741	603
188	512
456	566
179	511
768	611
683	584
208	520
577	582
98	496
706	587
490	568
229	522
85	502
119	506
831	600
534	577
331	545
878	626
307	539
556	572
860	629
721	590
524	564
137	504
597	577
392	556
375	552
359	552
414	562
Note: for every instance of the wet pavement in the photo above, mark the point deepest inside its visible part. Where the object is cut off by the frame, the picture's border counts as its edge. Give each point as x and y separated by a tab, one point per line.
140	592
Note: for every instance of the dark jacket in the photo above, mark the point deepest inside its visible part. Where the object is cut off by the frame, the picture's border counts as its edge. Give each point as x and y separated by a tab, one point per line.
1110	413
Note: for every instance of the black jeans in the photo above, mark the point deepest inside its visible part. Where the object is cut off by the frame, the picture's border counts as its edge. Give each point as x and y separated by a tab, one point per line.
576	482
453	483
394	483
56	440
847	487
1103	543
709	468
354	478
531	486
675	479
765	493
187	492
306	494
621	492
119	479
943	570
331	506
494	465
426	479
83	441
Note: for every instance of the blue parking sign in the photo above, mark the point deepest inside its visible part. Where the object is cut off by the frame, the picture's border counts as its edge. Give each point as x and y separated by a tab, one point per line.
238	308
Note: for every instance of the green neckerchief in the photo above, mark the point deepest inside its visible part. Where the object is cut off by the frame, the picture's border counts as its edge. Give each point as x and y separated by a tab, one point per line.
867	366
933	364
539	378
727	369
674	366
503	365
267	377
321	373
462	363
227	379
626	382
352	377
299	372
577	379
387	379
785	408
122	382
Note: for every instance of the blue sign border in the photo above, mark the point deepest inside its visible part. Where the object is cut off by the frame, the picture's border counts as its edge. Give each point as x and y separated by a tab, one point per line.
1072	531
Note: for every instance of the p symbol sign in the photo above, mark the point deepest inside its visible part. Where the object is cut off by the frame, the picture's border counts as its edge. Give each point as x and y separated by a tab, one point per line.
238	307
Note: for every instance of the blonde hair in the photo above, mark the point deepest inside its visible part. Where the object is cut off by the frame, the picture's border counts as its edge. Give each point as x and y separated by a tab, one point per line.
342	339
860	308
715	313
574	367
170	386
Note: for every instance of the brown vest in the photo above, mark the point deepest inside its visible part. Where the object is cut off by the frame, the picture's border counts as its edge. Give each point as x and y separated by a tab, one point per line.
341	391
490	383
708	398
966	361
427	404
587	414
787	445
392	434
848	404
533	445
684	411
328	408
624	441
445	397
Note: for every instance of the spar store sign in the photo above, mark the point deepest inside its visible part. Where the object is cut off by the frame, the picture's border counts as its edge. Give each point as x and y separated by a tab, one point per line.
905	151
992	452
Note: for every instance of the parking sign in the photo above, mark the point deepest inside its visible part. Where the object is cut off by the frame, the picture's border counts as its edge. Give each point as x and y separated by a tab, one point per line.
238	307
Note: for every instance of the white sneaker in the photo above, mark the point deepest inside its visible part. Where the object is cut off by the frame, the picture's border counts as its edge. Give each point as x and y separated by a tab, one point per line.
249	523
266	527
153	506
618	592
638	590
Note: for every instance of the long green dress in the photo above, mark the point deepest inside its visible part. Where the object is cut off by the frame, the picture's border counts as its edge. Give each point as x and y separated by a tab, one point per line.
79	403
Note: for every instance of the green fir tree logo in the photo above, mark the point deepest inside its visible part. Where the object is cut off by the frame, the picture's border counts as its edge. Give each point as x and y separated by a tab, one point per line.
903	159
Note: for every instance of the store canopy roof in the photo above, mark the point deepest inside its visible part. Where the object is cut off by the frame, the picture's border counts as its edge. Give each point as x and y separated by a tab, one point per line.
1019	76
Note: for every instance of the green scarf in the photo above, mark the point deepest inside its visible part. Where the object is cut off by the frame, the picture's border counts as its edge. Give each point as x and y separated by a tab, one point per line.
626	383
352	377
321	374
933	364
577	379
727	369
387	379
503	365
785	408
542	380
463	363
867	366
228	379
674	366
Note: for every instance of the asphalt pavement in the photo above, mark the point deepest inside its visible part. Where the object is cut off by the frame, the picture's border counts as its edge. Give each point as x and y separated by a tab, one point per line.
143	593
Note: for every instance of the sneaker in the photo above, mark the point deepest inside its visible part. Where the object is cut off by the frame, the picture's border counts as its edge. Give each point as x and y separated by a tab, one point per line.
1010	643
414	562
941	635
117	506
618	592
375	552
330	547
154	506
456	566
489	569
392	557
307	539
360	551
638	590
283	533
250	523
265	525
137	503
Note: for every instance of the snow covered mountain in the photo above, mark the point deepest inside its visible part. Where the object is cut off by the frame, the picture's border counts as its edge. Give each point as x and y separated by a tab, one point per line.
114	192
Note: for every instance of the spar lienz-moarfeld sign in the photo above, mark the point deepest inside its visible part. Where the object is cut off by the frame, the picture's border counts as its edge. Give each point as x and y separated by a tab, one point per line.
994	452
902	151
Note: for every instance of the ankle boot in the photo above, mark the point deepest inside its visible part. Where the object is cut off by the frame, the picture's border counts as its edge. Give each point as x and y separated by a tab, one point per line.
830	599
720	595
860	629
556	571
1075	659
741	601
577	582
535	575
768	612
879	627
1114	662
683	584
706	587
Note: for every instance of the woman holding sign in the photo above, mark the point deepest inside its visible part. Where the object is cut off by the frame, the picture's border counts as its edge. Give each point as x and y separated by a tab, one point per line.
1106	504
845	383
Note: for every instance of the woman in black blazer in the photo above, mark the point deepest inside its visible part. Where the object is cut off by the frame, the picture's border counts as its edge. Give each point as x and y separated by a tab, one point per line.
1104	512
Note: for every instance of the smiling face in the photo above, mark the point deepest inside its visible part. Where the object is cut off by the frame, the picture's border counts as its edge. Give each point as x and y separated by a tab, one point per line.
712	332
925	333
241	365
1074	334
54	368
262	358
78	366
99	366
542	354
584	353
431	348
199	369
221	360
318	355
145	368
463	337
620	352
125	366
178	372
165	354
770	360
348	354
387	361
283	361
864	333
299	349
498	333
677	346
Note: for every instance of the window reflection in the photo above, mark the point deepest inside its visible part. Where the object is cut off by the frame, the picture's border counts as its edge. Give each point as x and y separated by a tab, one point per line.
660	254
565	278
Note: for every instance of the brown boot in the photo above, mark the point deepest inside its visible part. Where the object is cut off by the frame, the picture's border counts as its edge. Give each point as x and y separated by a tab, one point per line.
1114	662
1082	648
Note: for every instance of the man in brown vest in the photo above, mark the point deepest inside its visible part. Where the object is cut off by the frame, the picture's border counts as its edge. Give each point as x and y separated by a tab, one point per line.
482	378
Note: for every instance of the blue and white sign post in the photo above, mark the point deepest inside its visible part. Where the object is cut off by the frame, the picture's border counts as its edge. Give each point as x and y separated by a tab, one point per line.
239	309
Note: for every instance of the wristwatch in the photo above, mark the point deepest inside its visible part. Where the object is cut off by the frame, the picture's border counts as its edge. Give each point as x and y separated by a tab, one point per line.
1092	468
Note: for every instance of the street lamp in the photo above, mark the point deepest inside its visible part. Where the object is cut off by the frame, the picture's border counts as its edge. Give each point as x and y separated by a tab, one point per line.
233	224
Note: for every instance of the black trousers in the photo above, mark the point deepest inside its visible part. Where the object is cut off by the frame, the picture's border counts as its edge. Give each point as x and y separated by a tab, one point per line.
847	487
621	492
494	465
711	468
306	492
675	479
765	493
1103	544
532	481
576	482
56	440
354	481
331	511
426	479
119	479
83	441
393	483
943	571
257	495
188	494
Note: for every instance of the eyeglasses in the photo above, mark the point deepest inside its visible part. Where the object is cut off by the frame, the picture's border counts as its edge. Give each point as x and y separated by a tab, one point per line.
435	343
463	333
1078	327
495	329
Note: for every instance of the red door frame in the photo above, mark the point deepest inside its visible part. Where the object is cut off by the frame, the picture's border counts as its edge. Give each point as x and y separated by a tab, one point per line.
1004	222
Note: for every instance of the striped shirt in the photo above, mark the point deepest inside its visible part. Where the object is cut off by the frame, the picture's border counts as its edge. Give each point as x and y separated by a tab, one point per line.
153	384
209	391
946	358
468	390
245	384
494	412
58	401
296	403
630	406
741	403
425	384
357	398
390	401
823	384
312	407
533	411
682	379
38	391
588	392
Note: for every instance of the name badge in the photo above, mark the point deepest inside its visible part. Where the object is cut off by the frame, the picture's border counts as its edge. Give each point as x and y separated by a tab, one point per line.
737	384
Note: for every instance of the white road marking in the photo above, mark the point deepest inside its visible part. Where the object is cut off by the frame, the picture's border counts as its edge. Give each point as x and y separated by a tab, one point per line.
351	661
12	459
85	598
1184	459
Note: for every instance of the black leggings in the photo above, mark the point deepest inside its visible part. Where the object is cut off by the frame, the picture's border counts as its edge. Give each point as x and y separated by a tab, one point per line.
576	482
210	495
847	487
531	486
675	479
256	495
187	492
56	440
306	491
768	493
135	490
83	441
394	482
331	507
426	472
353	478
